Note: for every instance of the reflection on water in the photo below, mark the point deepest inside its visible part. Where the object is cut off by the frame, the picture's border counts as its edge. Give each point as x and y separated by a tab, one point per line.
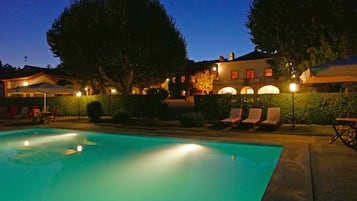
48	149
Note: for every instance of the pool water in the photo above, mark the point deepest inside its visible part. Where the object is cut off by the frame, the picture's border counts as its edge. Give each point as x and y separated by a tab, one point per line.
64	165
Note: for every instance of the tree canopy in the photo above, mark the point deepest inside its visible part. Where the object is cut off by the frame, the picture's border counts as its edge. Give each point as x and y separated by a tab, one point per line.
118	43
304	32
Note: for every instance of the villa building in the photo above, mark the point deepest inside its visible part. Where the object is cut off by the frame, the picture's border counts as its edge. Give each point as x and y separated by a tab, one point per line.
248	74
33	75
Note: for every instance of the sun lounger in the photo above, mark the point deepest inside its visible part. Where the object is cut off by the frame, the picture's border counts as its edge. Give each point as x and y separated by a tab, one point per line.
273	117
235	117
254	116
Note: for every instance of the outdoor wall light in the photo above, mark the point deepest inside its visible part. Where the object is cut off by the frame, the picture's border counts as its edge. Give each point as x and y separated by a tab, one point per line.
215	71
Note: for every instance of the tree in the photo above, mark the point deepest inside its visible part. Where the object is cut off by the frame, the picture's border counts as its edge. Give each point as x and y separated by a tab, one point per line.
8	70
204	81
304	32
119	43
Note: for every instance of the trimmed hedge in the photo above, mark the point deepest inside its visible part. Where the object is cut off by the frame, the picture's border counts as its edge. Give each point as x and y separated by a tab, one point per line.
136	105
310	108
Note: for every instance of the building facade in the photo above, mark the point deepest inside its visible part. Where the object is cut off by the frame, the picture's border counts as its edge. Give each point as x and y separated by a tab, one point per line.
30	75
248	74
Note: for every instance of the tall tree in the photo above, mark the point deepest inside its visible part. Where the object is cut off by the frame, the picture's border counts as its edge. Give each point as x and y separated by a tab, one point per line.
119	43
304	32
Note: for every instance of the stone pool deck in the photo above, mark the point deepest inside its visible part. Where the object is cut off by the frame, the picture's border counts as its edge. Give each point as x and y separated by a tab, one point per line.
309	169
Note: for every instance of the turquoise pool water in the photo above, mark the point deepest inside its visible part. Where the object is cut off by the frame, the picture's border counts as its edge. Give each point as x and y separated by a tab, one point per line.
69	165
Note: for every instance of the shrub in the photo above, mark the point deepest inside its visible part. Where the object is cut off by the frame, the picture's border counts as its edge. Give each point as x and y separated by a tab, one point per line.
94	111
193	119
122	117
161	93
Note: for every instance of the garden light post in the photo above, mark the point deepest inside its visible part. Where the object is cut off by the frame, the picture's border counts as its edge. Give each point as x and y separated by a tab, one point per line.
293	88
78	94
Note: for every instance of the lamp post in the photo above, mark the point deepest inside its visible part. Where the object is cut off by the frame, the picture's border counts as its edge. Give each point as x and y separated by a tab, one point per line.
78	94
293	88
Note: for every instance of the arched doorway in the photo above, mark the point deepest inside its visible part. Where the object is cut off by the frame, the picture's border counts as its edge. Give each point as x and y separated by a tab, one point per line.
228	90
269	89
247	90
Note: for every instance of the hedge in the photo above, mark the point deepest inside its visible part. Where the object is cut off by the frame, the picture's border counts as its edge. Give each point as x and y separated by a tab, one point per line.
310	108
136	105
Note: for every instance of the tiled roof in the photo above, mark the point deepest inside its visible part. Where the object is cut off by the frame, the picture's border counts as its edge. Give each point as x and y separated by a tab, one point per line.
29	70
253	55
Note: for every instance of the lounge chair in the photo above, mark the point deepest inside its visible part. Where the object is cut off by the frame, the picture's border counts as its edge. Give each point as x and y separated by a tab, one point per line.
235	117
273	117
254	116
24	113
11	113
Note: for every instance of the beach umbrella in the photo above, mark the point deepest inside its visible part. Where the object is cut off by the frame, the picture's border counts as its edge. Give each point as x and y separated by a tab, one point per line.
45	88
343	70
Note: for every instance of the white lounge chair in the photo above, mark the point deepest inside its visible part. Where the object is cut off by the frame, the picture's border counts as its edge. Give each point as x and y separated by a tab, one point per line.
273	117
235	117
254	116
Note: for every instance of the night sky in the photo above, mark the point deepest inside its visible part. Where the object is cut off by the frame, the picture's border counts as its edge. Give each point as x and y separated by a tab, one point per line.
210	27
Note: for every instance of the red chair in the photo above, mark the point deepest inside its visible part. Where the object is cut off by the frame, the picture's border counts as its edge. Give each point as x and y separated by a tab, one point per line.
11	113
34	112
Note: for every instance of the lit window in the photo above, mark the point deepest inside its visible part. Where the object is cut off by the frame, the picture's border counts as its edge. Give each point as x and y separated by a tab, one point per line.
183	78
250	74
268	72
234	74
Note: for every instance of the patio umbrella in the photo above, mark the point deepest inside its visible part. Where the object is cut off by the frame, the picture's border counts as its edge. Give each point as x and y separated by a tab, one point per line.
45	88
344	70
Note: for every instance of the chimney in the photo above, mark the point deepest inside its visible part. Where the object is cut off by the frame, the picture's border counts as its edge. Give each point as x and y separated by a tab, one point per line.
221	58
231	56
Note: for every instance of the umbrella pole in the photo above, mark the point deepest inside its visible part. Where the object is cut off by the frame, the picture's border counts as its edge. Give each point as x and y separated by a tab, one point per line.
44	102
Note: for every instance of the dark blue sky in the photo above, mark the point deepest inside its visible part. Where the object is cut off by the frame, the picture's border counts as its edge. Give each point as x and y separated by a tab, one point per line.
211	28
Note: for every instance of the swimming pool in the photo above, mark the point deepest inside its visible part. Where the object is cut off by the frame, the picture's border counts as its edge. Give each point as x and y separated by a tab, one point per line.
54	164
